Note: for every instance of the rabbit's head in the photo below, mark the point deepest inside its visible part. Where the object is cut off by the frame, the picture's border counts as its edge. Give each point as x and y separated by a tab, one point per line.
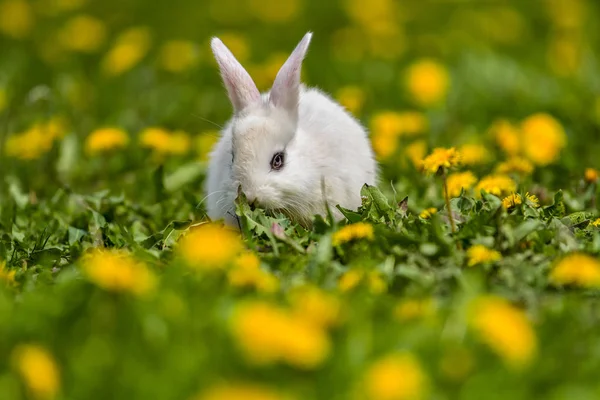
265	161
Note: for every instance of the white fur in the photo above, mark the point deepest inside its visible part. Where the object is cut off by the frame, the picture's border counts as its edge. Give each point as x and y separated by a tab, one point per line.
321	140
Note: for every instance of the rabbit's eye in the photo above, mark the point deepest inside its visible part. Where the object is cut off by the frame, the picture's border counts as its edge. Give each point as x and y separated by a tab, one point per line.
277	161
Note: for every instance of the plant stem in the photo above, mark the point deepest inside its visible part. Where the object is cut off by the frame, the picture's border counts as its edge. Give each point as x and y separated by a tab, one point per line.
447	198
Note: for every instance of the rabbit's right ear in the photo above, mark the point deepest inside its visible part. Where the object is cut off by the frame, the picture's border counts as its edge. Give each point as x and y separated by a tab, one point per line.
240	87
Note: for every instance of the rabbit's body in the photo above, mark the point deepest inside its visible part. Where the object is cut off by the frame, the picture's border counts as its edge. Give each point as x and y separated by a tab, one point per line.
320	146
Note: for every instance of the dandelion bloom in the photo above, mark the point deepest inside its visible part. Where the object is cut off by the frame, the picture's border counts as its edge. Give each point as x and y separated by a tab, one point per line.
38	369
479	254
128	50
83	33
596	222
105	139
395	377
7	275
118	271
405	123
459	181
358	230
351	97
577	269
507	136
427	82
164	142
16	18
209	246
441	158
410	309
315	305
178	55
515	164
384	145
497	184
543	138
246	272
240	391
268	334
474	154
204	144
591	175
515	199
505	329
428	212
238	44
416	151
353	277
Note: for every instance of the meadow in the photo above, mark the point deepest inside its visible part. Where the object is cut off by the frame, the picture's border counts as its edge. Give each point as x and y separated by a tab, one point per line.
471	271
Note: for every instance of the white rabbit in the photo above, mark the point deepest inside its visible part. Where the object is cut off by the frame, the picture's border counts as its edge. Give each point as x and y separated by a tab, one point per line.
284	146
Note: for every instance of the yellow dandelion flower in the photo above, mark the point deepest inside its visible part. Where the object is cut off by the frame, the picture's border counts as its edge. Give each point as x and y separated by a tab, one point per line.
164	142
596	222
315	305
204	143
289	339
7	275
460	180
441	158
427	82
240	391
396	377
16	18
275	11
564	54
127	51
105	139
507	136
515	199
238	45
577	269
384	145
497	184
457	363
352	98
505	329
411	309
118	271
405	123
178	55
209	246
265	74
543	138
359	230
246	272
416	151
474	154
479	254
428	212
591	175
180	143
83	33
38	369
515	164
353	277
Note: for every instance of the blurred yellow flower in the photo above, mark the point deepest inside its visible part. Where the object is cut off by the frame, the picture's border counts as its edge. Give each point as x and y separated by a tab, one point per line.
457	363
591	175
352	98
209	246
507	136
515	199
37	140
577	269
239	46
405	123
240	391
596	222
515	164
474	154
265	73
164	142
105	139
497	184
410	309
427	82
359	230
505	329
16	18
178	55
246	272
288	337
564	54
7	275
428	212
38	369
129	48
205	142
441	158
396	377
275	11
543	138
315	305
384	145
416	151
479	254
460	180
118	271
83	33
353	277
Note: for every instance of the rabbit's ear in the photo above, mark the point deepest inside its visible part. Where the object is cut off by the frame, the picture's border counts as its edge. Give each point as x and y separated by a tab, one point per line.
285	92
240	86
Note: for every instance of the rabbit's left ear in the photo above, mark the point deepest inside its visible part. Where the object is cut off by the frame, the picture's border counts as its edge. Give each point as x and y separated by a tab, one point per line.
285	92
